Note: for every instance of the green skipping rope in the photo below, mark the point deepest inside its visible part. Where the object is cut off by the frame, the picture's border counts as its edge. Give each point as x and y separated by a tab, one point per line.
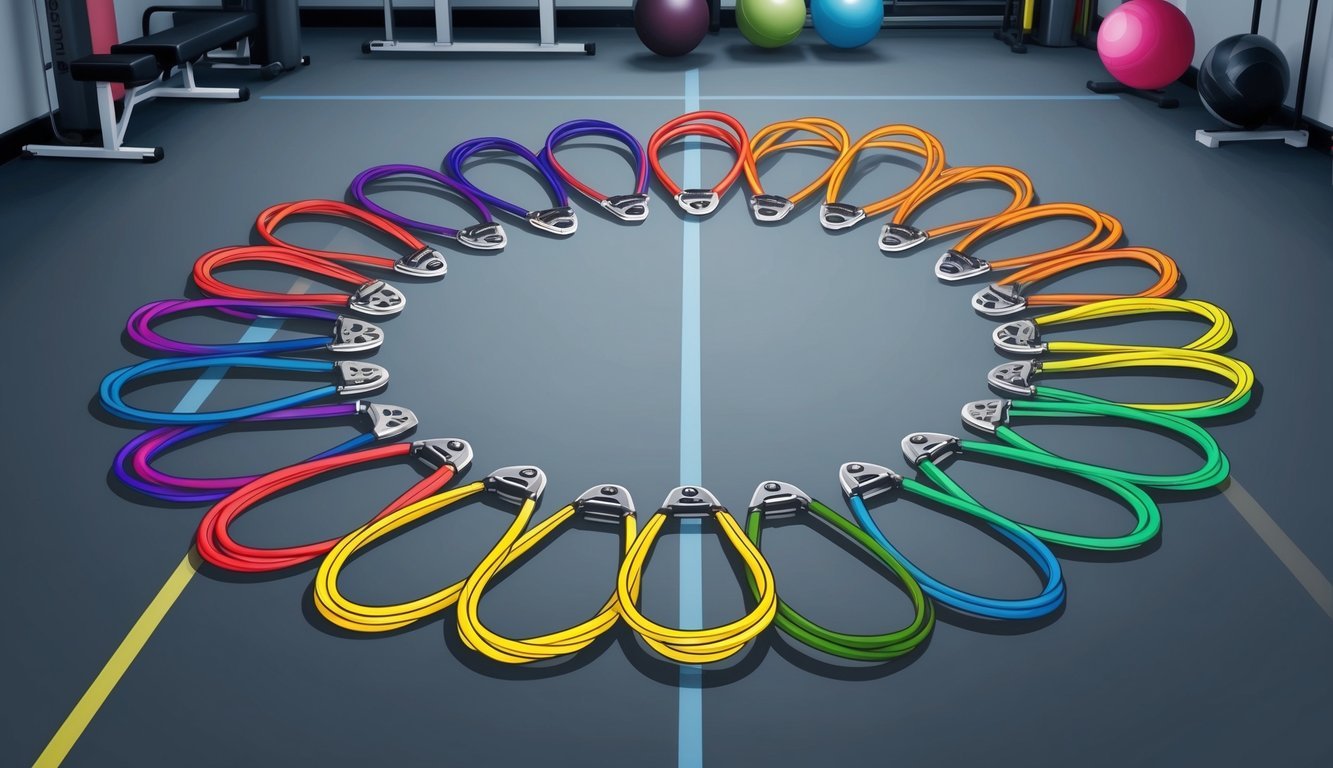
882	647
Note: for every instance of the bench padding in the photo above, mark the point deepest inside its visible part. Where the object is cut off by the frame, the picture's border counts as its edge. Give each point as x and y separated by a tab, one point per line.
128	68
186	42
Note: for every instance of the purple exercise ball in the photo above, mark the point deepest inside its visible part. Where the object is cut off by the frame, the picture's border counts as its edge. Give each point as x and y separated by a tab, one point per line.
671	27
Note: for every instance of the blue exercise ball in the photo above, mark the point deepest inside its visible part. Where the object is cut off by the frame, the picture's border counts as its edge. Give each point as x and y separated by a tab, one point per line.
847	23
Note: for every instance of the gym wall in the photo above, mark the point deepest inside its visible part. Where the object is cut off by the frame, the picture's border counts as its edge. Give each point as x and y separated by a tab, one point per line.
21	75
1284	23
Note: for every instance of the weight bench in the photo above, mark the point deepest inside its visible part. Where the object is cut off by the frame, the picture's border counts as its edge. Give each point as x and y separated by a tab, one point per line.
160	65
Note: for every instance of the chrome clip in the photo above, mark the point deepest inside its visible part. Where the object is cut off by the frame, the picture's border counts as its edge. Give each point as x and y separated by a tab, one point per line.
699	202
1020	337
444	451
839	215
936	446
388	420
353	335
557	221
999	300
605	504
517	483
867	480
985	415
486	236
1014	378
356	377
690	501
901	237
377	298
956	265
777	499
627	207
426	262
770	207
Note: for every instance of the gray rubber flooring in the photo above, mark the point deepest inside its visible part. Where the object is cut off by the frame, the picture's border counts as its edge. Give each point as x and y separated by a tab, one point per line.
816	350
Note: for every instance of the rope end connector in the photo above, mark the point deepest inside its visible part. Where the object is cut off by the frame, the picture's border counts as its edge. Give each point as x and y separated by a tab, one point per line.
894	238
956	265
833	216
1014	378
698	202
388	421
426	262
558	221
351	334
778	499
605	504
487	236
770	208
626	207
690	501
517	483
986	415
1020	337
859	478
935	446
444	451
355	377
997	300
377	298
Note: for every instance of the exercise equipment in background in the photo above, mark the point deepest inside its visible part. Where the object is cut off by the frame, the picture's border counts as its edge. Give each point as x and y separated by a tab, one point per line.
1146	45
158	65
770	23
1016	23
273	49
671	27
1243	82
444	36
847	23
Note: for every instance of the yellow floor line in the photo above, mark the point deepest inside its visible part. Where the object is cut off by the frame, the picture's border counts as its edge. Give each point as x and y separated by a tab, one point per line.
58	748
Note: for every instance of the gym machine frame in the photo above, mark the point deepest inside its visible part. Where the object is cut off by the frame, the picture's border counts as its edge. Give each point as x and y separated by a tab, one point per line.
445	43
1295	136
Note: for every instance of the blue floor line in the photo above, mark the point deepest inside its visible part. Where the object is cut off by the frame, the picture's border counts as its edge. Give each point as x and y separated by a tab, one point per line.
689	734
260	330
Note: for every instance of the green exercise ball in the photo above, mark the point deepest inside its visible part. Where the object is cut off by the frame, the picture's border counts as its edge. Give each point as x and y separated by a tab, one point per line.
770	23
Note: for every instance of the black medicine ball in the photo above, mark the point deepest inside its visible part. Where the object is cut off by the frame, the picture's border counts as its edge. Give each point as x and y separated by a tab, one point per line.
1243	80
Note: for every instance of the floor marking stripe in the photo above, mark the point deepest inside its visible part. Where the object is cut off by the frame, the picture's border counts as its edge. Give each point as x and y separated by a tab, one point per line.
689	733
57	749
1277	540
920	97
458	97
734	97
82	714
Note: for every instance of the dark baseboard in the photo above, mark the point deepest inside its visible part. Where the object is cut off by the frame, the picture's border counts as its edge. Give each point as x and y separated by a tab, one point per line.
35	131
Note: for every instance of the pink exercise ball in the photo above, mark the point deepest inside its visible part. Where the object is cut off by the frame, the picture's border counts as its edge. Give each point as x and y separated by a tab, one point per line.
1146	44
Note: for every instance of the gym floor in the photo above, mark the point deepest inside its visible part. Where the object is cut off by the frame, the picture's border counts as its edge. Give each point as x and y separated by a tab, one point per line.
1211	648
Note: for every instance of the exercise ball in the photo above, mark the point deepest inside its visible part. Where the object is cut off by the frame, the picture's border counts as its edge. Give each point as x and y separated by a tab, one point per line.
1146	44
770	23
671	27
847	23
1243	80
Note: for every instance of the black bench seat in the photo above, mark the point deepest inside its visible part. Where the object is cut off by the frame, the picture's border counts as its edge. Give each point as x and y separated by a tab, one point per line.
132	69
174	46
